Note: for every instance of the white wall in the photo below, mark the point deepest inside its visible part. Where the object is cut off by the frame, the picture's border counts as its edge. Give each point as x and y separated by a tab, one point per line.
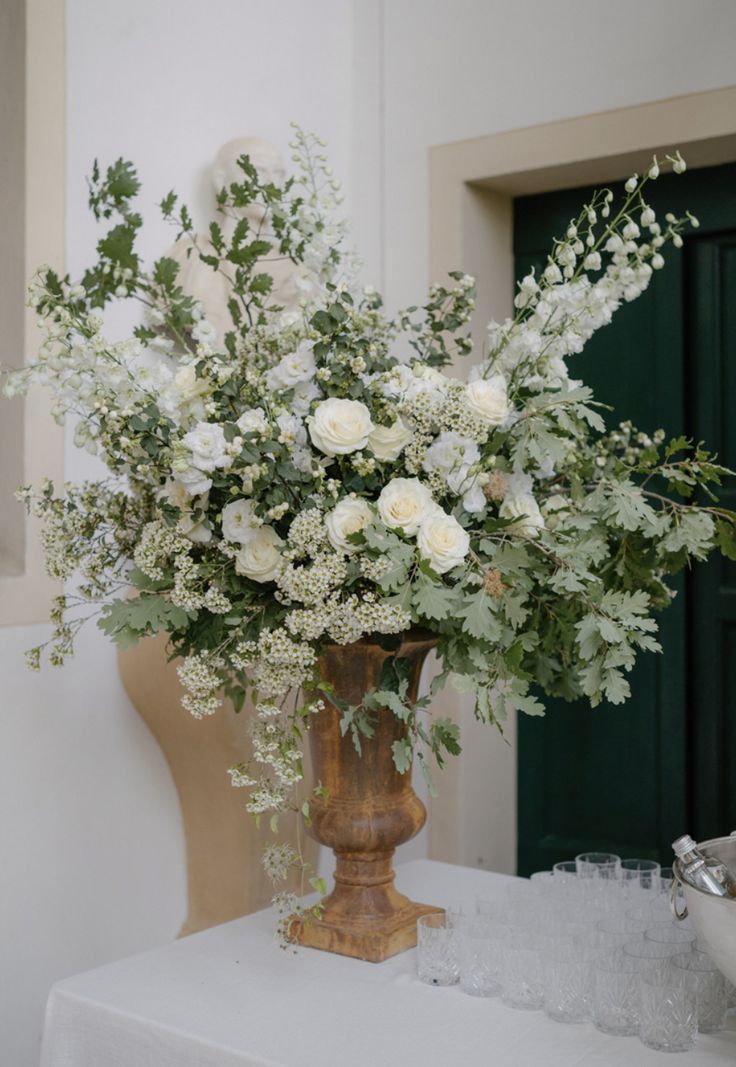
474	67
91	843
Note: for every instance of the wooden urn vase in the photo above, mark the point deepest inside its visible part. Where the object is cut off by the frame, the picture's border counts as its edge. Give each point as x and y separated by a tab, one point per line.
369	810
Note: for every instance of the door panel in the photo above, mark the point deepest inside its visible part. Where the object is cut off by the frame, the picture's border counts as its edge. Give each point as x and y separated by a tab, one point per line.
631	778
712	632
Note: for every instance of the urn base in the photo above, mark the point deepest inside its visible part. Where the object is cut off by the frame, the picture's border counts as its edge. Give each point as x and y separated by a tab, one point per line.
365	916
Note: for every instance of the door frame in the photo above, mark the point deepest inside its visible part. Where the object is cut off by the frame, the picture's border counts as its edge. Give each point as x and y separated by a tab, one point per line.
472	185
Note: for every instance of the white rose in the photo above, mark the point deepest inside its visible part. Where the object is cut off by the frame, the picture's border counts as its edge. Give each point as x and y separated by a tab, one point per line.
239	524
340	426
260	558
388	442
487	398
350	515
518	505
405	503
253	421
208	446
442	541
195	482
297	367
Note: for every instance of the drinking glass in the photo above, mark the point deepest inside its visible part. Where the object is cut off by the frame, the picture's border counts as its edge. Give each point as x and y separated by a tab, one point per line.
616	995
603	865
544	880
703	977
668	1011
619	931
666	875
479	958
567	870
671	932
730	995
437	949
568	981
641	874
521	977
652	955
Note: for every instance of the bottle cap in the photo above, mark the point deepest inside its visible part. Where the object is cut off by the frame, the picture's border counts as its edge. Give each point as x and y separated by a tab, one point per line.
683	844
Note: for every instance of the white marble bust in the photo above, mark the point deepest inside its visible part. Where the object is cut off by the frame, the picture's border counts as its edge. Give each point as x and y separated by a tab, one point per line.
211	287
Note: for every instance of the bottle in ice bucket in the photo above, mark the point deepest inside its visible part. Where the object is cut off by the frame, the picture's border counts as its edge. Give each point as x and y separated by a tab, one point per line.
708	874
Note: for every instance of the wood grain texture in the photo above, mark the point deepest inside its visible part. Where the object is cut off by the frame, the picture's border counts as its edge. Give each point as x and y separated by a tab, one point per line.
370	809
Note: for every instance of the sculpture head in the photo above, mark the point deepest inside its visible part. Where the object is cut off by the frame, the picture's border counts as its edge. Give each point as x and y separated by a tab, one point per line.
266	158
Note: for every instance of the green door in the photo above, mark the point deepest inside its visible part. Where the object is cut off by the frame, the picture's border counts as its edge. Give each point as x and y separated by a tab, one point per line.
630	779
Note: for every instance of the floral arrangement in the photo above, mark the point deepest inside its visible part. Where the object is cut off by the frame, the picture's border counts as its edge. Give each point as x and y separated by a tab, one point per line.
315	475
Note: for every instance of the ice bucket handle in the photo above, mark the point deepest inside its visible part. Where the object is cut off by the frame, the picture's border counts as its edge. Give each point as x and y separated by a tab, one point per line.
680	915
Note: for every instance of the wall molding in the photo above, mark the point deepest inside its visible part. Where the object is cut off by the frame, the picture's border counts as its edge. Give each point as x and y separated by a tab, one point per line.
24	598
472	187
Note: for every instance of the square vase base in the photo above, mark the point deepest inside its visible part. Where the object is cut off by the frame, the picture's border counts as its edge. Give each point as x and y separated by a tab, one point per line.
371	939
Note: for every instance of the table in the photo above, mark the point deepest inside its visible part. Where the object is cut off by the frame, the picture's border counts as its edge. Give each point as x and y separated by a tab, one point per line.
230	997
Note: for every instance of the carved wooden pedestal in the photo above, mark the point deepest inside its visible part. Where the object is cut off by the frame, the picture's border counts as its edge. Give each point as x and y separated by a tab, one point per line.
369	810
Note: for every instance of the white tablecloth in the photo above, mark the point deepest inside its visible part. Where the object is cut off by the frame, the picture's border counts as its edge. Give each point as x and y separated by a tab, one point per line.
229	997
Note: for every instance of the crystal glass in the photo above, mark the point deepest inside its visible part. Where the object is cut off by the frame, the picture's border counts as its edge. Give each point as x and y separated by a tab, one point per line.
521	977
641	874
652	954
616	995
437	962
730	995
568	981
703	977
668	1012
545	883
619	931
598	865
479	958
673	933
568	870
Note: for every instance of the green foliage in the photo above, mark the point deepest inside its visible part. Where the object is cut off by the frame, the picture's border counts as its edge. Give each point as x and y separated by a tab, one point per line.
126	621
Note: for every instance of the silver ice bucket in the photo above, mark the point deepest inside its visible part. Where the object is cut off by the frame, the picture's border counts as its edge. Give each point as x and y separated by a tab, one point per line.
714	918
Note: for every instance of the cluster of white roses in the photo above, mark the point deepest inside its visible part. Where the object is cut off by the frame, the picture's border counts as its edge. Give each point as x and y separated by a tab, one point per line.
406	504
344	427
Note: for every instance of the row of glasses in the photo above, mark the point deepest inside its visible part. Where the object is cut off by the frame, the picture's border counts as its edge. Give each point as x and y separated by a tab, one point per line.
590	940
